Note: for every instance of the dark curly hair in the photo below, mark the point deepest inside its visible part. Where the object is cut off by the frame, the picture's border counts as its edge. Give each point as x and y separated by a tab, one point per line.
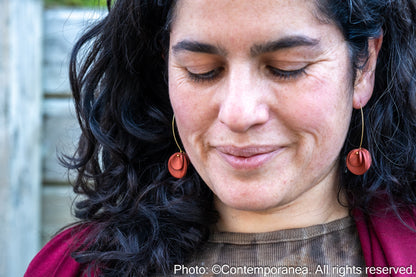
141	219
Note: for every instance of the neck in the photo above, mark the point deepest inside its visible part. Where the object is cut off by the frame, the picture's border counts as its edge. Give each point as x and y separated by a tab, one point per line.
316	206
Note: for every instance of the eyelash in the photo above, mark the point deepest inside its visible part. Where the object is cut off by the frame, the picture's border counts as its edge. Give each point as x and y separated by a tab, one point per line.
206	76
286	74
215	73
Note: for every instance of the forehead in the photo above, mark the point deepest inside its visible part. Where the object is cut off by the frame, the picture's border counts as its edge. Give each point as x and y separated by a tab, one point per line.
251	19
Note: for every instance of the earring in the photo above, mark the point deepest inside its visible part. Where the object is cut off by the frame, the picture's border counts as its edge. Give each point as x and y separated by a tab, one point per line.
359	160
178	162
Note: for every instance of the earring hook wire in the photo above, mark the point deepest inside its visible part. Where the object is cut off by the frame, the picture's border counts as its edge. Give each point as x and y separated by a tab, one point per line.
174	136
362	126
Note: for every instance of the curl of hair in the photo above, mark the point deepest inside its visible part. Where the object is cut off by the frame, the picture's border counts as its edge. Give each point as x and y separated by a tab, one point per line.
141	219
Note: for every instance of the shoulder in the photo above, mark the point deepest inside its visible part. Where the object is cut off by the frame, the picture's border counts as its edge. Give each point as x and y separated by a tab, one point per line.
386	239
55	259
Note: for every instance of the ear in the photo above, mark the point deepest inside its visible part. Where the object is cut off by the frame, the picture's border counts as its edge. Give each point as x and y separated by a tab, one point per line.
364	82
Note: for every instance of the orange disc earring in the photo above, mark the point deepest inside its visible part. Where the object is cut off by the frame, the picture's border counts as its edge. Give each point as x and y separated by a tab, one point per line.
359	160
178	162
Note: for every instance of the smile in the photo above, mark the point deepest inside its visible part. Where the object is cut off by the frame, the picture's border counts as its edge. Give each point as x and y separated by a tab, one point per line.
247	158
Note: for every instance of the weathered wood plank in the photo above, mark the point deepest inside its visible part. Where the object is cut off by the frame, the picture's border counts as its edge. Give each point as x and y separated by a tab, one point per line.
56	209
4	136
62	28
20	124
60	135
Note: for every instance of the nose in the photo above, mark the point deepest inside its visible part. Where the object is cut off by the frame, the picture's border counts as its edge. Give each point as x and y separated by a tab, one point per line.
244	104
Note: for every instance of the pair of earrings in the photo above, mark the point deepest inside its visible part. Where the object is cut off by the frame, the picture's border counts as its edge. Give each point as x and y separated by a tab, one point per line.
358	160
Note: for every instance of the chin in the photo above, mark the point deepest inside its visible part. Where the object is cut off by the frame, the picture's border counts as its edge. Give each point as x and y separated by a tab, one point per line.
254	204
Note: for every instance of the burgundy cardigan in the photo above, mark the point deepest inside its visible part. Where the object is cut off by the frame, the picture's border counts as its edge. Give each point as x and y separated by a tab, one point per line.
387	246
387	242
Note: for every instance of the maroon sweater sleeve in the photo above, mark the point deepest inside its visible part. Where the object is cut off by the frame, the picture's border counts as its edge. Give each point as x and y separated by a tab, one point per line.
55	258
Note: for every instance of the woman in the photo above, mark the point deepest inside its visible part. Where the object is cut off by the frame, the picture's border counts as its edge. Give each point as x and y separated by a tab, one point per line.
268	98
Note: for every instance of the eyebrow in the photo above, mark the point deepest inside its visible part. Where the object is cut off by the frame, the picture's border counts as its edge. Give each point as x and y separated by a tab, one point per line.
283	43
255	50
199	47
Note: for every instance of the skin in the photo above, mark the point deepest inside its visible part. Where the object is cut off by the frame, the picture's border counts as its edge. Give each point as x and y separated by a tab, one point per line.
263	94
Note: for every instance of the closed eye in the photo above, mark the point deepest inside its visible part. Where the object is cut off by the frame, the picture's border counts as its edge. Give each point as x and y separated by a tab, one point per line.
286	74
205	76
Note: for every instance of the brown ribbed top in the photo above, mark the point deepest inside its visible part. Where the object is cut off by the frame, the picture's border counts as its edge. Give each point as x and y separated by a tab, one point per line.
330	249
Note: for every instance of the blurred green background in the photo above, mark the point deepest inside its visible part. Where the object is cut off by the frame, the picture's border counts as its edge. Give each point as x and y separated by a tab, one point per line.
79	3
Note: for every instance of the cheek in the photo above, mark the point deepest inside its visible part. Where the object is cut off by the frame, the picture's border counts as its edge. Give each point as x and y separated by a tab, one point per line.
194	106
193	121
181	100
193	116
321	111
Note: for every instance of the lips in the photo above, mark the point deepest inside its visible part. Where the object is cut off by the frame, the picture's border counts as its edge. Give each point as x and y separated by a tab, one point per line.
247	158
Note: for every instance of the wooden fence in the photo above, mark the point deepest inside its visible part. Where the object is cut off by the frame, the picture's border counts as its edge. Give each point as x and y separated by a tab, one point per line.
37	123
60	129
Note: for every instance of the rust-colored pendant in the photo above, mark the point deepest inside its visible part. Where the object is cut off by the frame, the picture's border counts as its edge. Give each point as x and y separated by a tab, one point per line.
358	161
178	164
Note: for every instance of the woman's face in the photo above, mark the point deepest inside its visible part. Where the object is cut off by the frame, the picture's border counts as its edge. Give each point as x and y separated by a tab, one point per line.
262	94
